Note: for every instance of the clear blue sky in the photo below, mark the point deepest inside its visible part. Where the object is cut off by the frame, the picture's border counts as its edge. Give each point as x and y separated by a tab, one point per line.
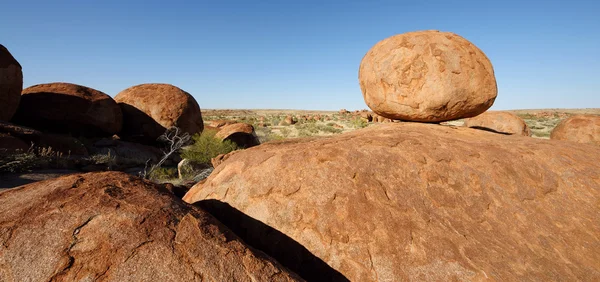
298	54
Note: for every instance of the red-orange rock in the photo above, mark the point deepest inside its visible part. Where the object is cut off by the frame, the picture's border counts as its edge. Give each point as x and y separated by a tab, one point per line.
241	134
423	202
501	122
221	158
150	109
11	84
69	108
579	128
115	227
427	76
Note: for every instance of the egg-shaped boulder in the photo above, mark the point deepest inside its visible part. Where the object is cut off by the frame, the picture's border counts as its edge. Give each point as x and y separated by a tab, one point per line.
427	76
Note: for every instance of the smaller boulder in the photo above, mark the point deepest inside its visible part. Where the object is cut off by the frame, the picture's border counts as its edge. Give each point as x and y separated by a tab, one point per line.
499	122
579	128
290	120
220	122
241	134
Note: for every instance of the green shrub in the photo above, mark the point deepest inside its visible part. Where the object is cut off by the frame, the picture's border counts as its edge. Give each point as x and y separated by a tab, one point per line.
163	173
329	129
206	146
359	123
285	132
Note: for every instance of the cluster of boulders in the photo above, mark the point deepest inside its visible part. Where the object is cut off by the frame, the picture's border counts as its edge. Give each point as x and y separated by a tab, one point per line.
60	115
407	201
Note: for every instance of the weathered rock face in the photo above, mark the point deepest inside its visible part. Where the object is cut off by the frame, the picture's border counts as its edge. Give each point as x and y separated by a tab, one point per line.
150	109
580	128
424	202
11	84
241	134
427	76
114	227
501	122
69	108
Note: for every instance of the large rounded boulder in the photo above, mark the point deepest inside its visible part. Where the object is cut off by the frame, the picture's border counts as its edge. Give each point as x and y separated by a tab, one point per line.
427	76
69	108
579	128
500	122
150	109
11	84
115	227
418	202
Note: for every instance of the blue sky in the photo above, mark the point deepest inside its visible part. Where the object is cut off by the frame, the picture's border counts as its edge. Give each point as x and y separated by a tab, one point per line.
298	54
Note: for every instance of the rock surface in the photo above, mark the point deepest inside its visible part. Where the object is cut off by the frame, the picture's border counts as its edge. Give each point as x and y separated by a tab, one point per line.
241	134
115	227
69	108
150	109
427	76
11	84
579	128
221	158
424	202
501	122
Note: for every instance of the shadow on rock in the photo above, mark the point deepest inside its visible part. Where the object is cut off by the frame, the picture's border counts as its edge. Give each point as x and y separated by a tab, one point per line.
284	249
489	130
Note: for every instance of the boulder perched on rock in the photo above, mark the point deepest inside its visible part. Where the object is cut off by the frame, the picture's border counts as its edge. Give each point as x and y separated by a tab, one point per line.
115	227
579	128
420	202
500	122
150	109
427	76
69	108
11	84
241	134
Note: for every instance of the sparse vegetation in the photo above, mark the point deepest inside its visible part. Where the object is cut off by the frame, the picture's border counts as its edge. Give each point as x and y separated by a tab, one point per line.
206	146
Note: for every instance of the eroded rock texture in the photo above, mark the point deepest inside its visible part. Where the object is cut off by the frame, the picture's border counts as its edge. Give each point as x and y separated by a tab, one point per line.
423	202
115	227
427	76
